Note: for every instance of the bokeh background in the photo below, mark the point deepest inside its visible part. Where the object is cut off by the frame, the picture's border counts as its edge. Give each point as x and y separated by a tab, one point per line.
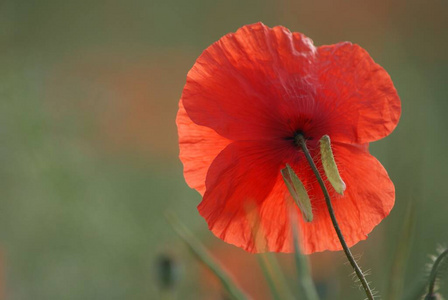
89	158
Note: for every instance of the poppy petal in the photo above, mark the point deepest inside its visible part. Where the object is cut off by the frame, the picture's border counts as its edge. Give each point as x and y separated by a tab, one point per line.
361	100
240	177
275	215
199	146
368	199
370	194
243	85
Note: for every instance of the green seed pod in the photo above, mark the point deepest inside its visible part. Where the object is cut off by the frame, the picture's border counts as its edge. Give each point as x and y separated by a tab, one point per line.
330	167
298	192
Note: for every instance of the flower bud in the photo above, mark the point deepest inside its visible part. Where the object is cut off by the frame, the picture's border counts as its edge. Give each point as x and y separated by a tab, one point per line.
167	272
434	296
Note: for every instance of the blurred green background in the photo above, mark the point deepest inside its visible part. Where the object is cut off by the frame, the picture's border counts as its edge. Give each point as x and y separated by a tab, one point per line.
88	155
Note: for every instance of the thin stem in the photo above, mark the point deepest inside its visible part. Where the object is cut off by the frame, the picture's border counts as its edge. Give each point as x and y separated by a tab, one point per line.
434	271
300	140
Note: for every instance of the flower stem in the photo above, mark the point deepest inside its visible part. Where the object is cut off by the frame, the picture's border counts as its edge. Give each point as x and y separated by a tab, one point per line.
433	275
300	140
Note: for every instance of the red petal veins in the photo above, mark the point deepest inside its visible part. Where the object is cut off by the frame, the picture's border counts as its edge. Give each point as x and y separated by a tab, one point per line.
247	85
199	146
361	101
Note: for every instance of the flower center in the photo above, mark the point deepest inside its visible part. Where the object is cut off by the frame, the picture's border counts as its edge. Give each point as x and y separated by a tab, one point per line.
299	136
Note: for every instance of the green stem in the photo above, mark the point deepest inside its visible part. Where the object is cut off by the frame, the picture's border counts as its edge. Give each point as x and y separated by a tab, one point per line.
300	140
434	271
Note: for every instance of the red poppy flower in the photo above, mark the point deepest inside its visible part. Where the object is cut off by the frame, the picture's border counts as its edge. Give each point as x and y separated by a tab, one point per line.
245	99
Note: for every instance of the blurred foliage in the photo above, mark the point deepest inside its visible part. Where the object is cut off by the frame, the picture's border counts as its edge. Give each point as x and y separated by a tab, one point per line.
88	164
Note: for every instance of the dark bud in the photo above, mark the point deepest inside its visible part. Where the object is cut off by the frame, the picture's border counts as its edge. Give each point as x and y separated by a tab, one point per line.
434	296
167	272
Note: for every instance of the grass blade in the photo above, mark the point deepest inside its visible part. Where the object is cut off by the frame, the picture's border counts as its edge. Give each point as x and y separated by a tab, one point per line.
397	274
274	276
416	291
204	256
267	274
307	290
267	261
